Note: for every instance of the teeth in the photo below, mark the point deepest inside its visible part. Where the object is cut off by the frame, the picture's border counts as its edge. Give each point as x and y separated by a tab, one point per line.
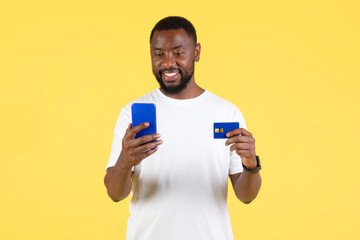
170	74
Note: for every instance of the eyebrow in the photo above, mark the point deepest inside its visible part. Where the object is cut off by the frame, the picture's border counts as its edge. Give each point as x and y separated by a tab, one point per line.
176	47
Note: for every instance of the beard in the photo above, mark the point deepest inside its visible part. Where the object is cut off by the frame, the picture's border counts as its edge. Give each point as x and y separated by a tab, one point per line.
184	81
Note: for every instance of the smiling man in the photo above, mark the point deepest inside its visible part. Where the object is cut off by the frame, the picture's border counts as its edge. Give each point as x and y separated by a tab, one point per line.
179	180
176	73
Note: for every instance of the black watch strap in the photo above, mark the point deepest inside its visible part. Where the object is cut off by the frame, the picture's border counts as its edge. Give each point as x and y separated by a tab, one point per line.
255	170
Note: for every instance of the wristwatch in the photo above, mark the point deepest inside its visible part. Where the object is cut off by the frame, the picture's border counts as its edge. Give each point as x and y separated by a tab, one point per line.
255	170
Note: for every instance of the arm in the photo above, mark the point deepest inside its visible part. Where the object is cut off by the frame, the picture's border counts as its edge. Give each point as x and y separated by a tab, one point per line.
118	181
118	178
246	186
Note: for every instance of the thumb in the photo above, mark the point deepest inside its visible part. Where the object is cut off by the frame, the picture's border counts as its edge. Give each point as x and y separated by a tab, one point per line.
128	128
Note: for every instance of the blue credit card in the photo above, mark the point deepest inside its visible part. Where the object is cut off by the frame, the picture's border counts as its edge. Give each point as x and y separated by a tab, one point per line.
222	128
144	112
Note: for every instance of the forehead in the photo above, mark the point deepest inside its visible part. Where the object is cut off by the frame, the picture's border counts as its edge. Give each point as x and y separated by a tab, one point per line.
170	38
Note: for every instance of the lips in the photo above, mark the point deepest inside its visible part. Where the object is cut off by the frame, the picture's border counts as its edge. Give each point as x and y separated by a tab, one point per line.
170	75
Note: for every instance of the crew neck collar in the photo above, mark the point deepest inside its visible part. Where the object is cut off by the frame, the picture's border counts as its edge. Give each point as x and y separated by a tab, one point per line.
167	99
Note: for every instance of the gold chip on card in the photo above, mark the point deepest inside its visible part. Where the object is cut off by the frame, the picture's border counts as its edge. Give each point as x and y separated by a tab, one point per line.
218	130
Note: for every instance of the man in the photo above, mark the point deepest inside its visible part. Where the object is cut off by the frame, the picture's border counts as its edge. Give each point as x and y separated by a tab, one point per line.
179	182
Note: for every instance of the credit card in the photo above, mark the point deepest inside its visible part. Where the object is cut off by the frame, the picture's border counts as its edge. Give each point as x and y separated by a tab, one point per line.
222	128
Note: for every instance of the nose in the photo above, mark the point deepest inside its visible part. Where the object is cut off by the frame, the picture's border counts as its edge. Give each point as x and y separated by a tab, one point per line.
168	61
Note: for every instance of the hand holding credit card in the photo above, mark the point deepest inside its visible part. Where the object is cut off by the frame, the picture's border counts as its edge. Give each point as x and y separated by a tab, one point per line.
241	141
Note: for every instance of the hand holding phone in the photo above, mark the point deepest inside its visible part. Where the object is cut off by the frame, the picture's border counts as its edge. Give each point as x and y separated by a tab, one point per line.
134	150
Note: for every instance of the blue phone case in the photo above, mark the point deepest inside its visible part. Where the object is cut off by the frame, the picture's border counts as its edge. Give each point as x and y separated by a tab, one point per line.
144	112
222	128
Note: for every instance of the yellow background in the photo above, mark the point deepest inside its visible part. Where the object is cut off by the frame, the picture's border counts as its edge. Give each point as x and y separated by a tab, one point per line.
68	67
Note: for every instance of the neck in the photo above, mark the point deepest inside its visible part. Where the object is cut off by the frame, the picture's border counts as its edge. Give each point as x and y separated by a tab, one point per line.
192	90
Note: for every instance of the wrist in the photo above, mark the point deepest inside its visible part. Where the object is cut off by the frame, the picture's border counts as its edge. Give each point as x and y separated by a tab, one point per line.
122	164
251	165
255	169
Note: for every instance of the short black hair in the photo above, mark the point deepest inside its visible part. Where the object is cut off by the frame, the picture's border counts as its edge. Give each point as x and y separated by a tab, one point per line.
173	23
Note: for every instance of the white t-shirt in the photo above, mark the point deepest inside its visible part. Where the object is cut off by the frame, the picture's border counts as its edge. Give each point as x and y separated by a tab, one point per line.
180	192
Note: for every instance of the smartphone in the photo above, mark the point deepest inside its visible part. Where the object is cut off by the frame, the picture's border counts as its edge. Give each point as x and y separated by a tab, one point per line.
144	112
222	128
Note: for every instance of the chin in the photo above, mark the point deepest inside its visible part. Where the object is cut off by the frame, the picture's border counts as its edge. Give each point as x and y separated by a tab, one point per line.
170	89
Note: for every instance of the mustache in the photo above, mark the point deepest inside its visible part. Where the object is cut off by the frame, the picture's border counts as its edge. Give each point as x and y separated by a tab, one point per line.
170	69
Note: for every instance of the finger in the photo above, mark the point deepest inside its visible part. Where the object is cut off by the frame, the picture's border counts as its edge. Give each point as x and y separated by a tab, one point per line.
133	131
245	153
148	146
144	139
128	128
144	155
138	151
239	139
241	146
238	131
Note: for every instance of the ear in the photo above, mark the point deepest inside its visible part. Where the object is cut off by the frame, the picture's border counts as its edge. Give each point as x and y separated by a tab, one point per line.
197	52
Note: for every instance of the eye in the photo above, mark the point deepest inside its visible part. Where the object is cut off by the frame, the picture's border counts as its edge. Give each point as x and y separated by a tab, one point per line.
178	53
158	54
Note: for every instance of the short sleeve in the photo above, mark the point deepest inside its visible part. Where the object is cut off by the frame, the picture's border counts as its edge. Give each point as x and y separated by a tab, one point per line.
235	165
119	132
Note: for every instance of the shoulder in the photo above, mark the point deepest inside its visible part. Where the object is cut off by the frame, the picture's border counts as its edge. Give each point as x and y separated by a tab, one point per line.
226	108
149	97
125	111
221	102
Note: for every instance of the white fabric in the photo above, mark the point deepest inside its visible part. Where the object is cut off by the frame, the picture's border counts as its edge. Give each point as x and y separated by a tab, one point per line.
180	192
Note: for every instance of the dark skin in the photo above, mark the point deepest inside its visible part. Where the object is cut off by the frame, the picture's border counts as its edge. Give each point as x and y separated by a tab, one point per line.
246	186
118	178
174	49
